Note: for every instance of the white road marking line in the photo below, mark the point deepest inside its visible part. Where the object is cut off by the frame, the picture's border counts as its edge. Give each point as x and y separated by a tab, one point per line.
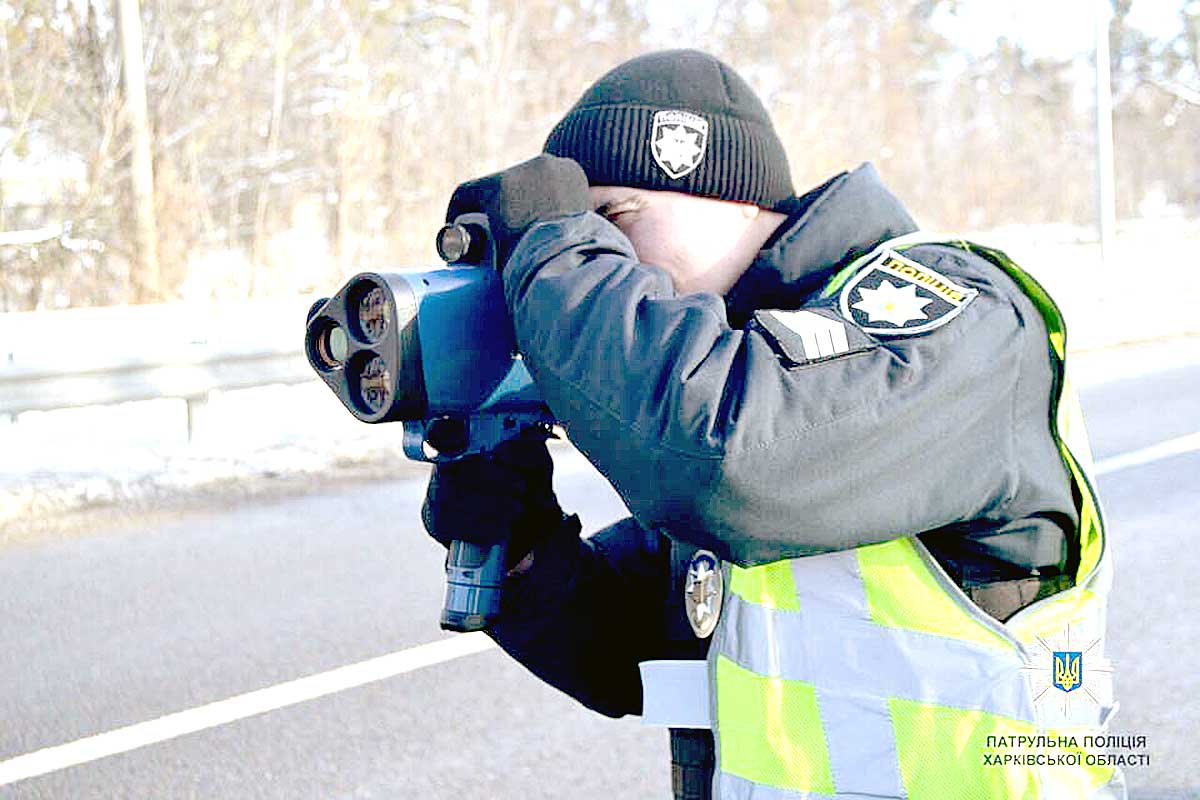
181	723
1155	452
222	712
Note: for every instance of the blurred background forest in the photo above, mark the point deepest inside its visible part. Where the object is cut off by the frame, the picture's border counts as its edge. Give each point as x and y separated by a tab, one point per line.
293	142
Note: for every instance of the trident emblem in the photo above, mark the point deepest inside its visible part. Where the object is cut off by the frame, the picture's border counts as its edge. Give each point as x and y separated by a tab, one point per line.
1068	666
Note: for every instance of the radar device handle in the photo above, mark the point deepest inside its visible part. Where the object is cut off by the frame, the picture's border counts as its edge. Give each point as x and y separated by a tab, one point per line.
474	574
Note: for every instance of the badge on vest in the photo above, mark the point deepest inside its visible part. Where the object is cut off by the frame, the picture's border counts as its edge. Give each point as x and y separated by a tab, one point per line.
702	592
896	296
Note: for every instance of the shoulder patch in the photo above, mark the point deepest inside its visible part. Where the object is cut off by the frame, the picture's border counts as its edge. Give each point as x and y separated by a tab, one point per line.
807	335
895	296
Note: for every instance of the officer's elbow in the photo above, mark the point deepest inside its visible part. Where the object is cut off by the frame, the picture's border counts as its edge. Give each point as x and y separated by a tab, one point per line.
699	501
749	517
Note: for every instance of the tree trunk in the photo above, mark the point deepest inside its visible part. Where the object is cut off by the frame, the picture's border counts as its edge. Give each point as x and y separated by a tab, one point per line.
145	277
278	85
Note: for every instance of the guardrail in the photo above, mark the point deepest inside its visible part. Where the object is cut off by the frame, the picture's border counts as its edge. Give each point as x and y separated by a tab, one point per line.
84	357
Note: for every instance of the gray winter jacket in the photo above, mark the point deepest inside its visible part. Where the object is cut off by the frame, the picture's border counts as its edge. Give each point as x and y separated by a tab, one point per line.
718	429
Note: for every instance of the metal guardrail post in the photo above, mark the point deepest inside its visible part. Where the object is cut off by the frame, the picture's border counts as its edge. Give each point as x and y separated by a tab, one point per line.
197	412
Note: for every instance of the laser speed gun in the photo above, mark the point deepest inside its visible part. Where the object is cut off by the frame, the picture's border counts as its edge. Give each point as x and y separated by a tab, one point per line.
434	348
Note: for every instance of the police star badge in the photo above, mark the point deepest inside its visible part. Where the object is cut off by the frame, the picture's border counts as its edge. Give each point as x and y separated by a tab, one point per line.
703	590
677	141
894	295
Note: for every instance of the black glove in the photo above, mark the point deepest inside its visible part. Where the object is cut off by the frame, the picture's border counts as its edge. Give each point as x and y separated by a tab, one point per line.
545	187
502	496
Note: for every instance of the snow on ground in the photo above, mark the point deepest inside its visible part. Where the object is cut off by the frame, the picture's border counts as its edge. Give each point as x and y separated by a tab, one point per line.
137	455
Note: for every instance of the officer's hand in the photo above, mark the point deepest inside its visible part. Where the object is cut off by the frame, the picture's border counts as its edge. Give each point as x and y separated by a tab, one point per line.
545	187
503	496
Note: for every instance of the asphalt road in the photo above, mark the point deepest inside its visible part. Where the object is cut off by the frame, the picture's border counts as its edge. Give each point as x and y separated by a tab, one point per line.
124	625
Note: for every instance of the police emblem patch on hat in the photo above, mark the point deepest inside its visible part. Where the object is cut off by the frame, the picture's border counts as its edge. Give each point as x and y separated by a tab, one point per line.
702	592
678	140
896	296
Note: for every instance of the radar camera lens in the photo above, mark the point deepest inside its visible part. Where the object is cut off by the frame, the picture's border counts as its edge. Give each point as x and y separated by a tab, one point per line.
330	344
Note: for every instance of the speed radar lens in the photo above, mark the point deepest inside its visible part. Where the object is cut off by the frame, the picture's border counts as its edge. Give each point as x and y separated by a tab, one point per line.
375	385
374	310
328	344
334	345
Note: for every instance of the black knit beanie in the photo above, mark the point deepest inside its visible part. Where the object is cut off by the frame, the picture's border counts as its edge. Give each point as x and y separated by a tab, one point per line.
681	121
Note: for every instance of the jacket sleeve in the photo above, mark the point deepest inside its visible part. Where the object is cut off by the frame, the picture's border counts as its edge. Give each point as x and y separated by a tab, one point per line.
725	439
588	611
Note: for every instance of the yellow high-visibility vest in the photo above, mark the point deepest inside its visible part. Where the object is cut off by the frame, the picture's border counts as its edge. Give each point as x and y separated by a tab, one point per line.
867	673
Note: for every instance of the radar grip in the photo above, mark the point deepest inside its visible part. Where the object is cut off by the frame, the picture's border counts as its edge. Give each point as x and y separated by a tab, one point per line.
474	574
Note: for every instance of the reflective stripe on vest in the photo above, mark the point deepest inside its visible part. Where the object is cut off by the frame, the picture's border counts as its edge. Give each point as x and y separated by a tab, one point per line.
868	673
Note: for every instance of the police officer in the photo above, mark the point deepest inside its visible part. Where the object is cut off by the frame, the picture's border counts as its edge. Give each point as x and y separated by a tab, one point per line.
856	476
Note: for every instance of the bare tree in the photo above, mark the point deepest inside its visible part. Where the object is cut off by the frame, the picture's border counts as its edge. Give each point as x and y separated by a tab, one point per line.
293	141
141	170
